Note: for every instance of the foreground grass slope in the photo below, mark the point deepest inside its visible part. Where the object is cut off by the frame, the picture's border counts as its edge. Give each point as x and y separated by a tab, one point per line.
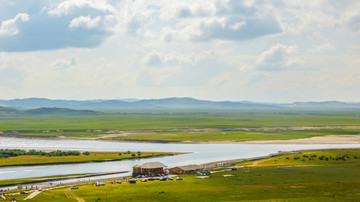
318	181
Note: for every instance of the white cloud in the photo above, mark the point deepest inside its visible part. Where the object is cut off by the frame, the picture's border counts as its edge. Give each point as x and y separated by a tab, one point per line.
69	7
278	57
9	27
322	48
85	21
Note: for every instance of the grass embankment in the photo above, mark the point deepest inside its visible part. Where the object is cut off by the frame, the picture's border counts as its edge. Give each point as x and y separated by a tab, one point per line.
92	157
237	135
316	157
330	181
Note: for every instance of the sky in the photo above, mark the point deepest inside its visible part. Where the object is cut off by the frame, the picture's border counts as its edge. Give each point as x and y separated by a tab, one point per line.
255	50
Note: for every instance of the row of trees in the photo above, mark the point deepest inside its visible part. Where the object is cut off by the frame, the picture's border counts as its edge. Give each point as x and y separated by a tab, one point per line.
5	153
326	158
133	154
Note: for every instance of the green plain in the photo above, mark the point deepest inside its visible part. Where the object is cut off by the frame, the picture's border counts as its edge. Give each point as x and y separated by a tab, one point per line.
162	121
182	120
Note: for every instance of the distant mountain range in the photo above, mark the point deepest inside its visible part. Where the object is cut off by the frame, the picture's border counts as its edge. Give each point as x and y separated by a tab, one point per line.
47	111
166	103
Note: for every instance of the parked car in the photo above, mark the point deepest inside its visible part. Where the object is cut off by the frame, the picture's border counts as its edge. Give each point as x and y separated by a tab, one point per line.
74	187
163	179
119	182
144	180
132	181
169	178
156	178
179	178
24	192
40	189
151	179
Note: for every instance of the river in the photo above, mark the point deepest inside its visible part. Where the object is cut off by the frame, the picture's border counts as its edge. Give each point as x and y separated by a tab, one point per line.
200	154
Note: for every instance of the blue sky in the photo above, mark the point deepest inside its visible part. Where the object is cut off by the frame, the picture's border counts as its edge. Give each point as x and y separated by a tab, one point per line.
264	51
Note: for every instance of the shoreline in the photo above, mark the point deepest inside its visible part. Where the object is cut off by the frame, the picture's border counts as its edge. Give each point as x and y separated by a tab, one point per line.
51	179
328	139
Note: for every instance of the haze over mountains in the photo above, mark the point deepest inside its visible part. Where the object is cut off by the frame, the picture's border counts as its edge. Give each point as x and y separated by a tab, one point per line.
166	103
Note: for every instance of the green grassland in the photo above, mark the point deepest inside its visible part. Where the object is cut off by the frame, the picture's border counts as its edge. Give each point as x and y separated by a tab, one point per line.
97	125
237	135
92	157
292	181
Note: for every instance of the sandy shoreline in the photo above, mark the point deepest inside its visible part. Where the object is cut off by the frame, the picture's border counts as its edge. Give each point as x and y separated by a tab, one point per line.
330	139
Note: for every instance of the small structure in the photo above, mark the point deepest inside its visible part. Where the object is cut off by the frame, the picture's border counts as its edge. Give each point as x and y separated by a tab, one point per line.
149	169
189	169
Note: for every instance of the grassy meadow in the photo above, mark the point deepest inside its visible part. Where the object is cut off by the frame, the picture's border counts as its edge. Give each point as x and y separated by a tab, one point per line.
98	125
293	180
